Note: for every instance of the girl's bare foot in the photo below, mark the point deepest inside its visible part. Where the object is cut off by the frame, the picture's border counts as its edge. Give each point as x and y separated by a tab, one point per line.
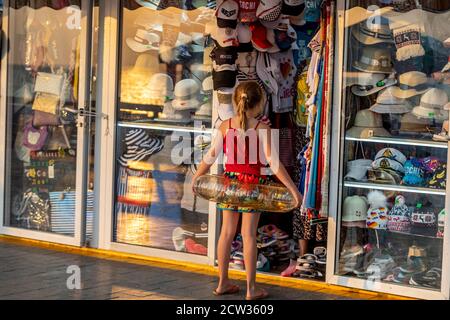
257	295
226	289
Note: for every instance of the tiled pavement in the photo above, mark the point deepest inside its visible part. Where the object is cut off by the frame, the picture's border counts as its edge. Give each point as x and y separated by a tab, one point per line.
34	273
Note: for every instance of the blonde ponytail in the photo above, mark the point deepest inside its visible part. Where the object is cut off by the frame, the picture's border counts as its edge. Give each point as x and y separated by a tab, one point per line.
241	109
247	96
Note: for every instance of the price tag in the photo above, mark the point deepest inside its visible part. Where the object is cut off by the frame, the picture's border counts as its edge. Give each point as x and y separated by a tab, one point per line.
51	171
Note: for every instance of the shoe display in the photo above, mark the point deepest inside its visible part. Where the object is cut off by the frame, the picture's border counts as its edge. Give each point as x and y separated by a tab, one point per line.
263	263
414	265
380	267
428	279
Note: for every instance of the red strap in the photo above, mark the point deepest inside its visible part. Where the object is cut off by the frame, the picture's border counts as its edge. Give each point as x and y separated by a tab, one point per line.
229	123
256	127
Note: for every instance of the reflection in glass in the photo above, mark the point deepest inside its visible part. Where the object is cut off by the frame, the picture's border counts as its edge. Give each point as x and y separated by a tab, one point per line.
43	72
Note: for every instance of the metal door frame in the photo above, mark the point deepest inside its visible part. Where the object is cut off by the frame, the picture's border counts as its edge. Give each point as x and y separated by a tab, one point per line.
82	136
110	19
336	169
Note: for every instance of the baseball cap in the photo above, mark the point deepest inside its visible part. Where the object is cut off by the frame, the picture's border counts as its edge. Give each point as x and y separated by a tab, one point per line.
269	10
227	14
224	58
247	10
244	35
293	7
225	37
225	108
224	79
259	37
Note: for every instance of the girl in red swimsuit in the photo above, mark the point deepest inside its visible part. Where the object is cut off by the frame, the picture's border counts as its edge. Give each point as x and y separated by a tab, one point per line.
242	138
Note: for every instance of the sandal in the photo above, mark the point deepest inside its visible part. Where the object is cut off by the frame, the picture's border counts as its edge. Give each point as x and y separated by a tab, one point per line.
232	289
265	241
307	258
321	253
262	295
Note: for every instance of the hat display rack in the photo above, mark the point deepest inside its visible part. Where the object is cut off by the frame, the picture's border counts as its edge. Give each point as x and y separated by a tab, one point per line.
171	50
256	40
396	143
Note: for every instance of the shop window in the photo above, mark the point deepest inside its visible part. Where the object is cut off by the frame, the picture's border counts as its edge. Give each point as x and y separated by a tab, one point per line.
164	117
395	143
43	55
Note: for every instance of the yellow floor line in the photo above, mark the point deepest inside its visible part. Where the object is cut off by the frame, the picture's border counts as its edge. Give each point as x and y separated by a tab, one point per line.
294	283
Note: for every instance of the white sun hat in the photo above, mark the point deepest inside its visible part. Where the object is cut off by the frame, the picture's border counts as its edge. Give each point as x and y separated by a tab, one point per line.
432	105
186	92
388	103
144	41
368	83
367	124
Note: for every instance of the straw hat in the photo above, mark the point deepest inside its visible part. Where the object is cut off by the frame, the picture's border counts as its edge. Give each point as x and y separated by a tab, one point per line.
367	124
374	60
411	84
388	103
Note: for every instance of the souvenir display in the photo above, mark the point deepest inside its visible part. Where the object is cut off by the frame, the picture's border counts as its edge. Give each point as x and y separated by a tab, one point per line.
42	96
395	144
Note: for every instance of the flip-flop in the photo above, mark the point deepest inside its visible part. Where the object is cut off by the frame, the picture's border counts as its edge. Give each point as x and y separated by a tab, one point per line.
233	289
262	295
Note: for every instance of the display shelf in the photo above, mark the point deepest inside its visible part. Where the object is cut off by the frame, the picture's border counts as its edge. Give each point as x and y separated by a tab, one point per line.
162	126
402	141
397	188
413	234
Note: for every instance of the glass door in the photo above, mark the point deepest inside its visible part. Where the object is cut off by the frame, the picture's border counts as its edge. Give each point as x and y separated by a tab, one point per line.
393	147
45	89
161	112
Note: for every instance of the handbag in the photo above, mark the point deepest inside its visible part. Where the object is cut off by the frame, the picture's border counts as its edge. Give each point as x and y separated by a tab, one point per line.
49	83
33	138
46	102
34	212
41	118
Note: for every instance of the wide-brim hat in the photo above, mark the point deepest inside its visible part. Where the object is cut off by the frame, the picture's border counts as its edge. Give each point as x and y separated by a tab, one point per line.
429	113
387	102
411	84
361	66
367	124
369	37
407	93
382	108
364	91
374	60
140	46
365	133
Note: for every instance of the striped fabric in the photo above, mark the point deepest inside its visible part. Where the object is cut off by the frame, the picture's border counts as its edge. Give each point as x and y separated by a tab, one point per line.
62	212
